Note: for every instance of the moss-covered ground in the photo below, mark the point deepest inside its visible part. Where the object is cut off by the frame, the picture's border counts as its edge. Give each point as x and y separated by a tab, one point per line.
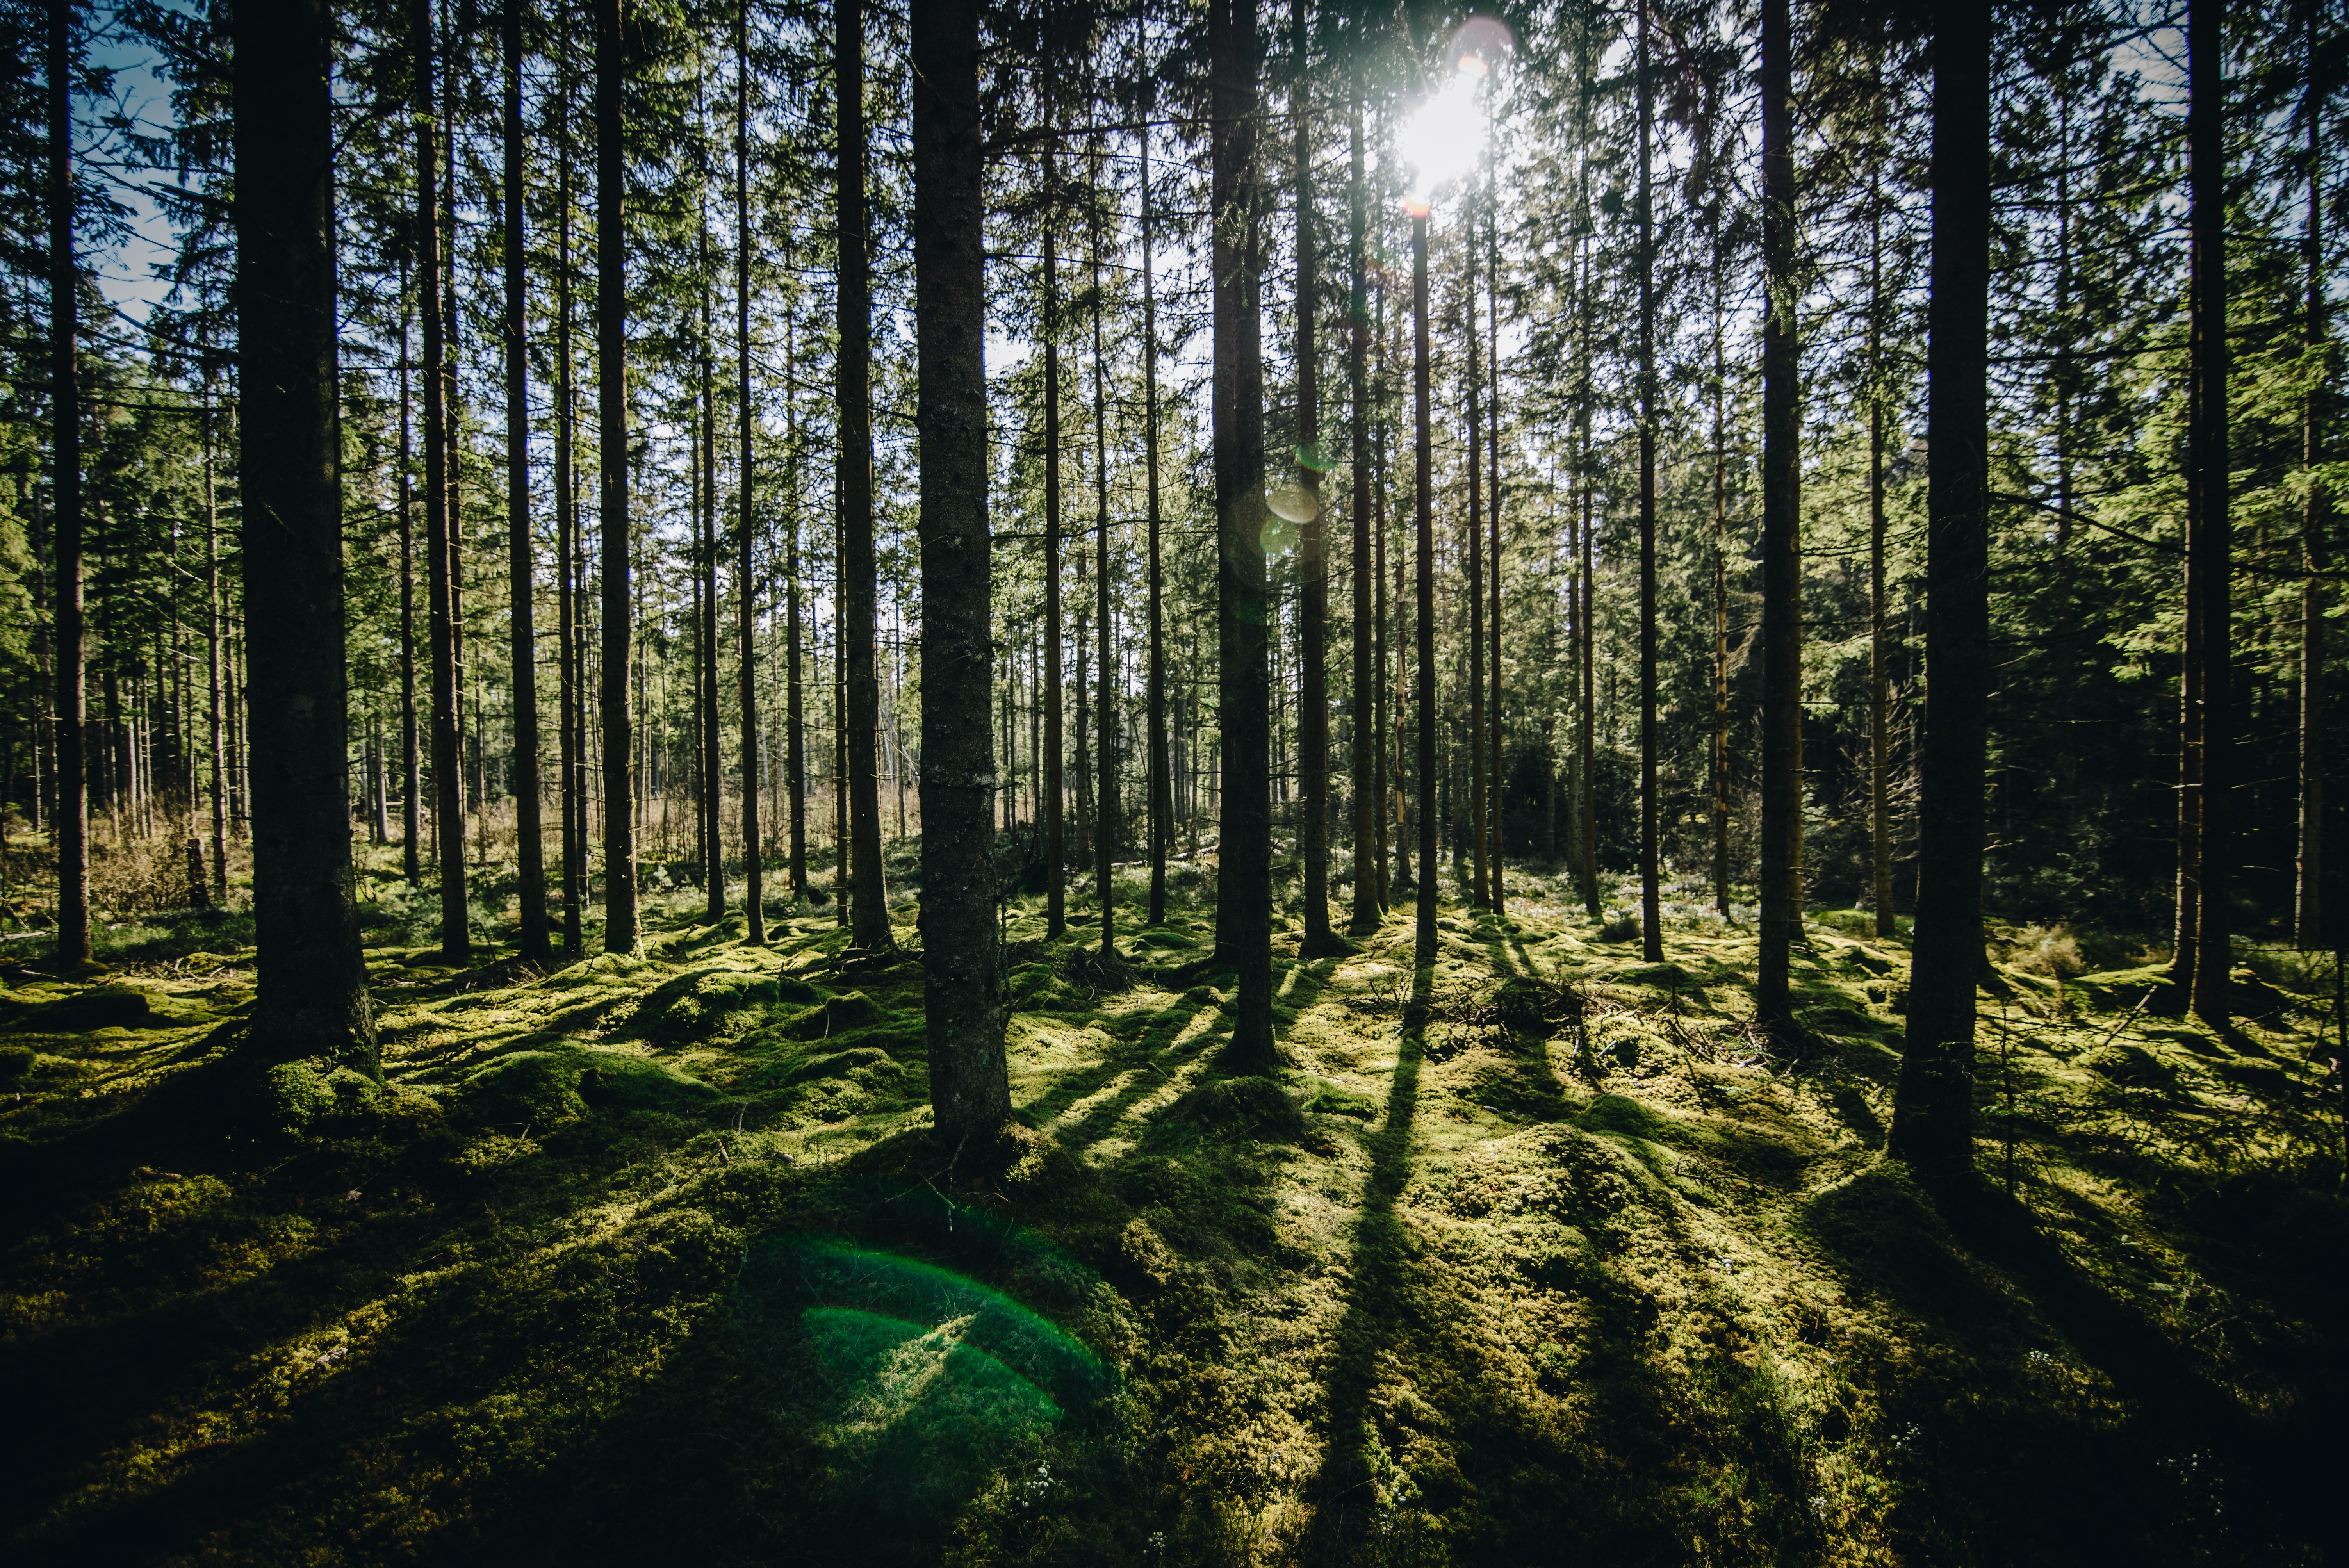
1539	1258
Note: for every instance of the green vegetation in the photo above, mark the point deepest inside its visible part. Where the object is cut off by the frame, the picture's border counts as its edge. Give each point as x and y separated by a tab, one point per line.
652	1260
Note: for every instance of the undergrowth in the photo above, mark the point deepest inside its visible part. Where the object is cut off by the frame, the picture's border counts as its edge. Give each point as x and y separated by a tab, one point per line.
1543	1256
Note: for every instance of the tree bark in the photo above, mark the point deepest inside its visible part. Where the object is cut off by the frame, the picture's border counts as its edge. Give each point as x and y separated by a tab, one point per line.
711	757
447	768
2316	518
1056	865
569	582
1933	1119
621	934
1651	913
970	1092
1105	844
1880	698
754	908
214	756
530	853
1472	562
72	816
1782	670
1313	600
1244	892
1495	818
410	760
869	908
1424	501
312	995
794	687
1161	796
1370	836
2209	547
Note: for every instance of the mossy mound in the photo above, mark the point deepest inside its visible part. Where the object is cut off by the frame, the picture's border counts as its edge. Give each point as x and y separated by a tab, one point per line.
1240	1108
2131	1066
548	1088
100	1008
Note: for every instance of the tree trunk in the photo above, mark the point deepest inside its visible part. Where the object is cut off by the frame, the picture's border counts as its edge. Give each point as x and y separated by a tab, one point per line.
1314	598
530	845
313	996
2316	517
1244	892
754	908
1781	674
712	755
1162	795
620	928
411	771
447	768
1651	913
970	1092
1720	760
214	757
72	817
2210	548
1370	845
1473	561
1056	873
1496	816
1424	501
1932	1121
794	687
869	909
1105	847
568	580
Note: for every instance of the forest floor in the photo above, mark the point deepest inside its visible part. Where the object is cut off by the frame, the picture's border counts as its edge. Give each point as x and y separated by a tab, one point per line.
653	1260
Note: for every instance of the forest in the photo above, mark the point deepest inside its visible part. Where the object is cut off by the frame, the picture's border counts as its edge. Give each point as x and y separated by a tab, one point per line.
1171	781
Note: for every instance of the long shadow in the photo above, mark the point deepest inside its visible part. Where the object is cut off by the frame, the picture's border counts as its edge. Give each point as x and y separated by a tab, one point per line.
1344	1501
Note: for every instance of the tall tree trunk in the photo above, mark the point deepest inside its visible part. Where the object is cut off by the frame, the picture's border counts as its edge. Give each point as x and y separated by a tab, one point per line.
1056	873
217	762
2316	517
621	934
1494	818
1370	838
1782	785
712	779
412	773
1105	847
569	585
1720	748
1932	1119
1472	561
312	995
1879	697
2209	549
970	1093
1424	501
1244	892
869	911
794	635
1313	598
1651	909
530	843
447	763
1162	794
72	817
754	928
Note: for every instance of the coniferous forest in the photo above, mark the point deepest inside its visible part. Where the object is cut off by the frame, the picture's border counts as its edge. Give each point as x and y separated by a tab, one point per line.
1171	781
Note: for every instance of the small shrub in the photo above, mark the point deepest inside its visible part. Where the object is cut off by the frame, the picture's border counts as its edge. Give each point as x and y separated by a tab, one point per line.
2048	950
1621	926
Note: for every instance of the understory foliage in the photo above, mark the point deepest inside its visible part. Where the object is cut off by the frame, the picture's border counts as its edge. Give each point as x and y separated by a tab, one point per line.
653	1260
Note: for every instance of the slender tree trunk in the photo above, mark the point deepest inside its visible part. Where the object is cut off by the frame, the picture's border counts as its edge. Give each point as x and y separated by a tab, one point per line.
1932	1121
2316	517
1472	561
1314	598
1161	796
746	595
313	996
410	761
72	817
1244	892
1105	848
621	934
1056	875
1496	816
1651	912
711	757
1369	837
970	1093
1879	695
869	911
217	762
2209	549
1781	790
1424	501
448	765
1720	760
568	606
794	636
530	843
